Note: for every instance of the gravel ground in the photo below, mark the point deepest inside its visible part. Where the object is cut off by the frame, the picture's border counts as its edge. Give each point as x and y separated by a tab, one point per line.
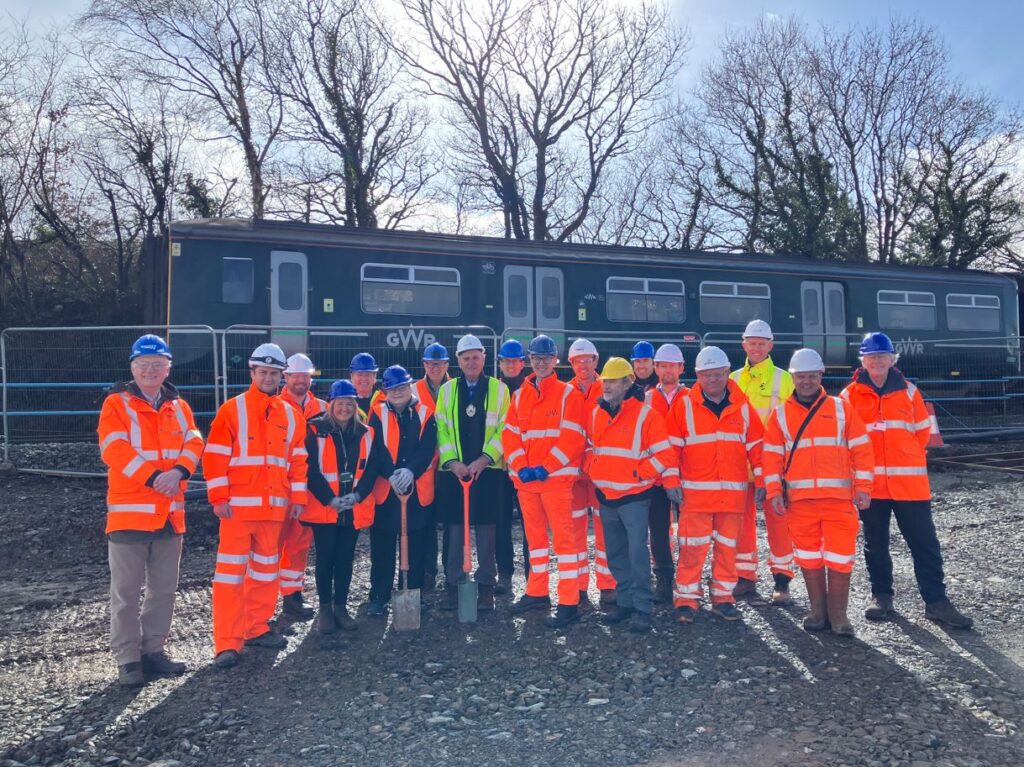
510	691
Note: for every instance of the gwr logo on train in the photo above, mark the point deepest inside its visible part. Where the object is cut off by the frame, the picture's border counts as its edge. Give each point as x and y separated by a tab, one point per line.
410	338
908	346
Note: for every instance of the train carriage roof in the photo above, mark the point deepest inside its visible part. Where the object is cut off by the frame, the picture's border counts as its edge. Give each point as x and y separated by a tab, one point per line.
295	234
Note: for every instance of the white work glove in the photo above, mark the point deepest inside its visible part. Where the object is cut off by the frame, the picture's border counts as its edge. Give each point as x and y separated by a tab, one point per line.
402	481
675	494
344	502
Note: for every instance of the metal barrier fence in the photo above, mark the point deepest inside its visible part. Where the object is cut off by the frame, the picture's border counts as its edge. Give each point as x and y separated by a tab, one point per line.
55	380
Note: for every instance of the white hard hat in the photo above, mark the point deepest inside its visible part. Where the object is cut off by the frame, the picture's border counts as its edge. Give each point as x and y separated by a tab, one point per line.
758	329
268	356
709	358
300	363
468	343
581	347
806	361
668	353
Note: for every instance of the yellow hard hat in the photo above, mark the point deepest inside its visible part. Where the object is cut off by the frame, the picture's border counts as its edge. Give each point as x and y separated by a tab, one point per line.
615	368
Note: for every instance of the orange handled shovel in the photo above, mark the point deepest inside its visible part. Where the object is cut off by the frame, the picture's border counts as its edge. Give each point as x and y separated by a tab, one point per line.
406	601
467	588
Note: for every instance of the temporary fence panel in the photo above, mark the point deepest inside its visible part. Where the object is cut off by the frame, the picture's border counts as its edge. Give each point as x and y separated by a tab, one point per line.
55	381
332	349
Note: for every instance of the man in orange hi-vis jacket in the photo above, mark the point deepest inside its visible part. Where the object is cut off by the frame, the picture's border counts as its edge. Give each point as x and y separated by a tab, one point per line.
718	438
818	471
255	469
150	444
296	538
543	443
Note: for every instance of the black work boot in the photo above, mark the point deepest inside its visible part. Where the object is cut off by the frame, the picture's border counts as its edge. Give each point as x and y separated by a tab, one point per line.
662	588
639	623
743	587
326	623
525	603
563	616
450	601
780	594
226	659
503	586
608	596
345	621
880	609
945	612
270	639
158	664
485	597
618	615
130	675
295	607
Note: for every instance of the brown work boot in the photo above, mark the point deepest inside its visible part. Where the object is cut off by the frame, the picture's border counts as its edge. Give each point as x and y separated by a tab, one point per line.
945	612
880	608
780	594
608	596
130	675
838	598
485	597
292	605
743	587
817	595
326	623
345	621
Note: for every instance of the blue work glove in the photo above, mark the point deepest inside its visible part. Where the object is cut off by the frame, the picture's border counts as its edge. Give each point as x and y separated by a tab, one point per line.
540	473
528	474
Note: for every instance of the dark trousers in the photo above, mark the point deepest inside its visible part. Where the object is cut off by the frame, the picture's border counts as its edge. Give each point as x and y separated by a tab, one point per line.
504	549
383	550
629	558
335	547
914	519
430	542
660	519
486	571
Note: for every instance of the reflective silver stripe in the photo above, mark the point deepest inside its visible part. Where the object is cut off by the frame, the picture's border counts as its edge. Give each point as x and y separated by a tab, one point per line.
663	445
857	441
730	542
778	449
804	554
330	476
572	427
195	434
299	451
298	487
217	449
621	485
541	433
776	387
902	471
840	419
571	558
264	559
293	574
177	505
677	441
534	553
618	452
638	429
657	465
516	454
217	482
842	559
577	513
752	445
135	431
132	508
772	478
568	471
259	460
512	429
170	454
291	584
804	484
715	436
833	482
243	425
133	466
228	578
701	540
256	575
245	501
671	471
232	559
275	501
745	412
290	415
113	437
865	475
689	484
190	455
922	425
561	456
911	390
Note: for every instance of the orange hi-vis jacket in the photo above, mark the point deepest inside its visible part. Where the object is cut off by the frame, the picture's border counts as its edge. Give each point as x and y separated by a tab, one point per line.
137	443
833	458
390	432
656	398
313	406
899	425
544	427
592	395
715	453
255	459
327	460
629	451
422	390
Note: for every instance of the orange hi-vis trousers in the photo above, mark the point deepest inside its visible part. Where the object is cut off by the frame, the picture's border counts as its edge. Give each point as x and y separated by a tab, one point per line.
584	505
780	546
697	530
543	511
245	582
824	533
296	539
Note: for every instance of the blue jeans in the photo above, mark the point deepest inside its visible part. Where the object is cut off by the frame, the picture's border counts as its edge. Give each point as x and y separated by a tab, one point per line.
914	519
629	557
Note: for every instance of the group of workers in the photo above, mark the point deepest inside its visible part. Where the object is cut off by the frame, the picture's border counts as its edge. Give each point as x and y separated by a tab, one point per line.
628	450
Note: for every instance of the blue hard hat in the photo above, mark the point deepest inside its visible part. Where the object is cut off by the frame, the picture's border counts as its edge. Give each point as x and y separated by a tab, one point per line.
543	346
363	363
642	350
342	388
150	345
435	353
511	350
395	376
877	343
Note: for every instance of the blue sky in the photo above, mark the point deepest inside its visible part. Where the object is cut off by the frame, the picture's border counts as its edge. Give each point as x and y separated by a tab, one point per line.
984	36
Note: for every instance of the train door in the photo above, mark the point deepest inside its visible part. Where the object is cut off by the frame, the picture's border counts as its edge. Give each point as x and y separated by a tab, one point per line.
823	309
534	298
289	300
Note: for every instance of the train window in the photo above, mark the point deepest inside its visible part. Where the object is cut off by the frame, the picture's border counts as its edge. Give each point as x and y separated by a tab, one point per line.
965	311
735	303
812	316
518	303
836	308
550	298
289	286
236	285
432	291
906	310
635	299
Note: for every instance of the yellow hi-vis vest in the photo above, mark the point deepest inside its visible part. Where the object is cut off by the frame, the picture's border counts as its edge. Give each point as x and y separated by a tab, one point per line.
765	385
449	446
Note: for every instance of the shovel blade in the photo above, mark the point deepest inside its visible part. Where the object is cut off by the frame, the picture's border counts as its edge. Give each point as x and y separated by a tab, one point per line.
405	605
467	601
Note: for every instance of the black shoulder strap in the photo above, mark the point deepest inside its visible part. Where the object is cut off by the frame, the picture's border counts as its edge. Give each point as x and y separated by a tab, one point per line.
800	432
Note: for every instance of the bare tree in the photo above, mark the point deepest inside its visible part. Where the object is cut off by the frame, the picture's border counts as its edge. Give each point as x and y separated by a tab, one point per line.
544	95
208	50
